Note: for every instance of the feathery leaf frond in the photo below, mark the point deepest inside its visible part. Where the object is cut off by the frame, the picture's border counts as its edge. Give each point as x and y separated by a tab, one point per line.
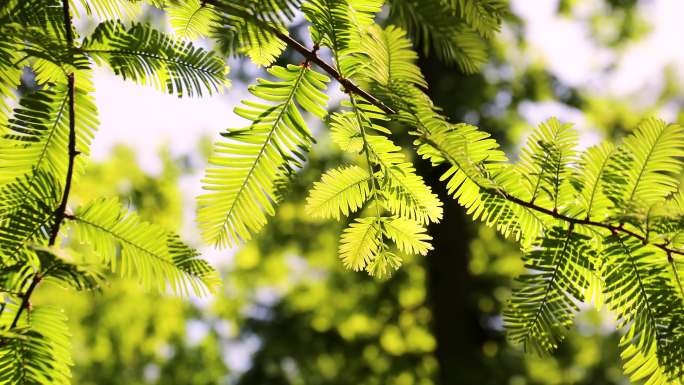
244	168
341	191
643	367
391	56
409	236
37	351
38	131
27	208
338	24
147	56
589	181
639	291
403	191
112	9
360	242
545	163
654	152
544	306
139	249
437	26
240	26
66	273
191	19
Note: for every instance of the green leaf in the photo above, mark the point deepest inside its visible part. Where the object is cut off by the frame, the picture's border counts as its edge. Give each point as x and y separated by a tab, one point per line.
454	34
248	27
384	264
589	181
545	164
135	248
544	304
110	9
640	291
191	19
27	208
403	192
39	131
361	242
643	367
649	162
37	352
392	58
68	274
244	169
147	56
477	170
409	236
339	25
341	191
484	16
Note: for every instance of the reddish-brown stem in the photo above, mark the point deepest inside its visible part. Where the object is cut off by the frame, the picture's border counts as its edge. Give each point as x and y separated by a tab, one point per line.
311	56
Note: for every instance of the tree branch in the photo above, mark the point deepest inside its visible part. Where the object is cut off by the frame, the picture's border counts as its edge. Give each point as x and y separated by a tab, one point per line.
60	211
72	153
311	56
554	213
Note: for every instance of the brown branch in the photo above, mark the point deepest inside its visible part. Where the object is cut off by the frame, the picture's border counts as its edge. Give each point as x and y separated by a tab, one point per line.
25	299
311	56
554	213
588	222
60	211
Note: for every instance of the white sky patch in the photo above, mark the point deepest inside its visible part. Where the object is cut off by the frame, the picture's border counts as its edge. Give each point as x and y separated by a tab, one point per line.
144	118
565	45
641	67
562	43
537	112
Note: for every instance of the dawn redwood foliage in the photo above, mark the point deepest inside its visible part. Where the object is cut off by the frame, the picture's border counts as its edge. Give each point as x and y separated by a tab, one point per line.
603	226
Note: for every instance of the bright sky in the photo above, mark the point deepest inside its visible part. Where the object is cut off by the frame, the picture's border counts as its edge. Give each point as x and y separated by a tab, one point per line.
565	45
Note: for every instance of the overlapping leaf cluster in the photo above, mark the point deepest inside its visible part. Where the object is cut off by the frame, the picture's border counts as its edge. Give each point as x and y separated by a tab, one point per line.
44	143
600	226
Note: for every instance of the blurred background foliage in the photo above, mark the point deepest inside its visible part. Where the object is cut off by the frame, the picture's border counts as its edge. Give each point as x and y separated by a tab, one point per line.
289	313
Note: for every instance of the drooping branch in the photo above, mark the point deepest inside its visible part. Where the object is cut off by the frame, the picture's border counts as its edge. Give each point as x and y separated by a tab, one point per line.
311	56
349	85
555	214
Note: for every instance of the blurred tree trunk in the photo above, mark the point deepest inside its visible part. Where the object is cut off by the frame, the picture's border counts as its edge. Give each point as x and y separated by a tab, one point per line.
456	325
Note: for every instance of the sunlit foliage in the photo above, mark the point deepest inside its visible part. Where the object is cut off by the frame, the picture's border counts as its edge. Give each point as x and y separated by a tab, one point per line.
608	218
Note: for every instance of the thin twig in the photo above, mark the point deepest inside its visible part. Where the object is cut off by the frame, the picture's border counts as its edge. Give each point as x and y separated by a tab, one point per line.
61	209
311	56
